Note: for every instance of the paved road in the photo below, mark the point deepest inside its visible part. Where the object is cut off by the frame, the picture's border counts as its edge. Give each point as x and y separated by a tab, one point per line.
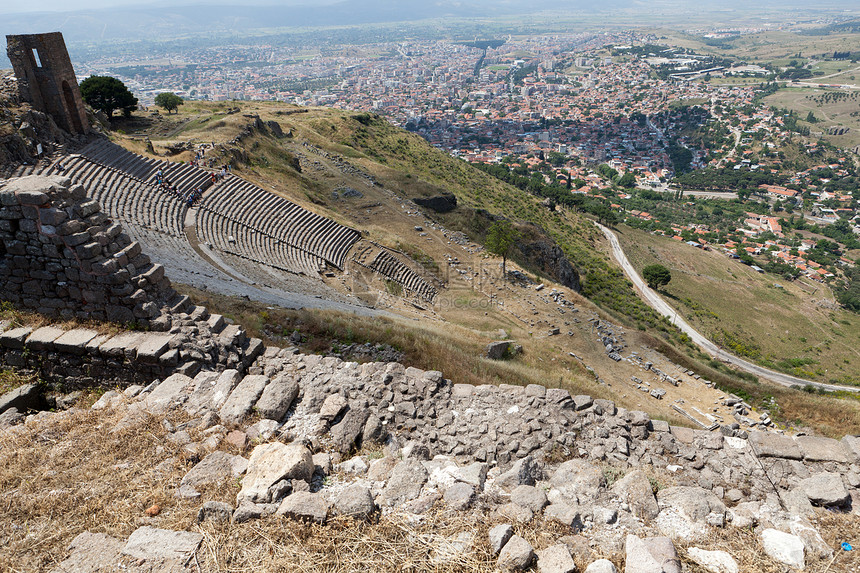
661	306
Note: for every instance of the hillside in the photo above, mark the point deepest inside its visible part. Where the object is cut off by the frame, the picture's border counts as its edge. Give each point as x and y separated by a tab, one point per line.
325	392
793	326
329	149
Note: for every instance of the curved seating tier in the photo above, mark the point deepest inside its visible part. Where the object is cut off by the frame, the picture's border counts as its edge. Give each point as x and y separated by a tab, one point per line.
125	197
241	240
270	229
184	176
389	266
259	233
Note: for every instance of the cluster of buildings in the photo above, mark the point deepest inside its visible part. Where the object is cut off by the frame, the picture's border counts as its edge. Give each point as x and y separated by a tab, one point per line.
532	94
526	100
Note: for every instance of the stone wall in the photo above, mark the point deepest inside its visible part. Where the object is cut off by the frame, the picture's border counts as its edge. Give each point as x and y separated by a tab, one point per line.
61	256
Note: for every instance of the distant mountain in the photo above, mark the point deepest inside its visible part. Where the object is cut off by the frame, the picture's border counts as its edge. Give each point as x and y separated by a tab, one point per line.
847	27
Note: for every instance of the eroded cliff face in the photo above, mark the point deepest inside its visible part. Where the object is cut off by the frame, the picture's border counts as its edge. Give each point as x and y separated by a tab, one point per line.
551	260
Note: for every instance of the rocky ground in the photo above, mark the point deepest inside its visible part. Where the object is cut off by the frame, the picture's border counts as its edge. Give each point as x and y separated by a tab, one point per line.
319	441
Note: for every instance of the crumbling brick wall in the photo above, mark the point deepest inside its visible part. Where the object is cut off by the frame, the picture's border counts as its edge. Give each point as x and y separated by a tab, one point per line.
46	78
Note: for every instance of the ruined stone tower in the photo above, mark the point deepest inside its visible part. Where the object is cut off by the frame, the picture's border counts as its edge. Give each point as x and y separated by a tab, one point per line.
46	78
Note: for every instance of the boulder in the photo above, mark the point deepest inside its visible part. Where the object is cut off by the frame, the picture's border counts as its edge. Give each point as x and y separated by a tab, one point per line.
713	561
565	514
516	555
601	566
355	465
11	417
173	388
407	479
651	555
459	496
825	489
555	559
242	399
355	501
305	506
499	535
214	469
162	549
273	463
91	553
851	445
332	406
577	481
516	513
813	543
212	390
695	503
769	445
346	433
524	472
277	397
796	502
474	474
214	511
497	350
530	497
635	490
23	398
816	449
783	547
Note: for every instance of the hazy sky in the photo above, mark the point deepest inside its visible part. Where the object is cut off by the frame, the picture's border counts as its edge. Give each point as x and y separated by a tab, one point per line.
7	6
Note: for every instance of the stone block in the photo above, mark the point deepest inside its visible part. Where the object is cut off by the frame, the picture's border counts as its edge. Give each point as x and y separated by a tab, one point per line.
825	489
42	338
152	544
305	506
242	399
90	553
277	397
152	347
783	547
122	345
851	445
23	398
170	389
88	250
154	275
15	337
817	449
270	464
767	445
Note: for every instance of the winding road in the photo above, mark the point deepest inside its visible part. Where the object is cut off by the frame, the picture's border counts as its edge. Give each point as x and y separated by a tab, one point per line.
661	306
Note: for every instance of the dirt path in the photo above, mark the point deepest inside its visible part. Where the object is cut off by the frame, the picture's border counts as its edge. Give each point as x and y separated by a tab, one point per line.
661	306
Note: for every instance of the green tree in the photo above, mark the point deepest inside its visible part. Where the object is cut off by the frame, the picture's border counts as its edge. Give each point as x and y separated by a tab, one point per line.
656	276
108	94
169	101
627	180
500	240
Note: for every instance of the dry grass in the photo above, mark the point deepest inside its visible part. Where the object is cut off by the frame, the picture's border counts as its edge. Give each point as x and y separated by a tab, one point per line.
71	474
824	414
745	546
430	345
775	324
